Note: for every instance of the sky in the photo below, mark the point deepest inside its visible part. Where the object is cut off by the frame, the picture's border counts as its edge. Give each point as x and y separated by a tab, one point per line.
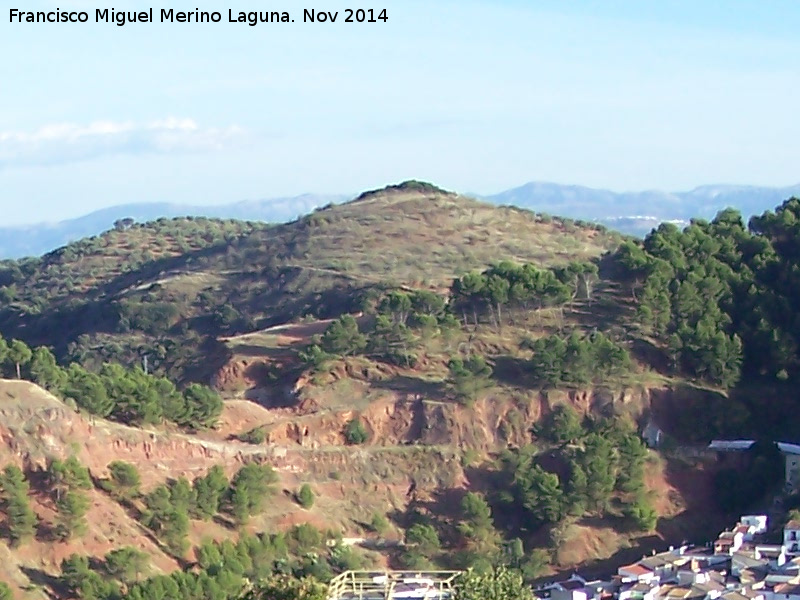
473	95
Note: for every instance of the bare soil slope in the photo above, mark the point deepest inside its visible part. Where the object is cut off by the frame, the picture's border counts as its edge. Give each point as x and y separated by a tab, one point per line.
351	484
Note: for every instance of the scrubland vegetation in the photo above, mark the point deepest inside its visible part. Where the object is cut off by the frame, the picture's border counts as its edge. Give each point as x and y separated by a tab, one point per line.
496	304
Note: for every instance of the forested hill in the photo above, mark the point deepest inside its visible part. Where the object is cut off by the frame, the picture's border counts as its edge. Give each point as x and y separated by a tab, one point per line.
168	289
412	366
719	300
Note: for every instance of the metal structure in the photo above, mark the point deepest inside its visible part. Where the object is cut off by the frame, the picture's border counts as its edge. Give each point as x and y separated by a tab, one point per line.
393	585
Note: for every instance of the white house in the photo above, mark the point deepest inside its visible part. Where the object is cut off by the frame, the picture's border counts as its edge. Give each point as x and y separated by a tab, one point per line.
688	576
792	454
756	523
636	572
728	542
576	592
776	555
791	538
664	565
638	591
652	435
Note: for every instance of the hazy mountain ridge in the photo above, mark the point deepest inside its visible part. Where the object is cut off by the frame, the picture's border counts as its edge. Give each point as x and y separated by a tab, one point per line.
638	212
40	238
629	212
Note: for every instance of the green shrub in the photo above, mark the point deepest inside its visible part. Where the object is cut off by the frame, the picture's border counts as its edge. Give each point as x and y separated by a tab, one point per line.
256	436
379	524
305	496
355	432
124	479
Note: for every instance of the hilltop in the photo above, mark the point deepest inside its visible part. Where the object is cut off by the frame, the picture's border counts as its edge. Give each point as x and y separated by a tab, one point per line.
632	213
167	287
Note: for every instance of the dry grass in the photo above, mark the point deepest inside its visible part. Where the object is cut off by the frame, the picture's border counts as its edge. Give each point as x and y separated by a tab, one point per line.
83	265
428	238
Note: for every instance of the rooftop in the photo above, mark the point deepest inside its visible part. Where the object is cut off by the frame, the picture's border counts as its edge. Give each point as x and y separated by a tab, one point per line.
789	448
743	559
792	589
636	569
660	560
678	592
734	596
572	584
730	445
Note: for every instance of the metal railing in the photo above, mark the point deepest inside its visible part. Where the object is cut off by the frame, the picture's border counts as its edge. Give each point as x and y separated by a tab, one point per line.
393	585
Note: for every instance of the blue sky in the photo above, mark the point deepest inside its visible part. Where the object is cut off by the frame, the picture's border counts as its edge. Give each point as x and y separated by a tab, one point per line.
473	95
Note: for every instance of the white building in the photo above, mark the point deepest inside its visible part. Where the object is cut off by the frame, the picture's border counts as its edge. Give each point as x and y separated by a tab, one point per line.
756	523
636	572
791	538
792	454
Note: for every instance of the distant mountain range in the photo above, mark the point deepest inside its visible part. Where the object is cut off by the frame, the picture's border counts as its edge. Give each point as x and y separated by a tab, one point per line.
635	213
37	239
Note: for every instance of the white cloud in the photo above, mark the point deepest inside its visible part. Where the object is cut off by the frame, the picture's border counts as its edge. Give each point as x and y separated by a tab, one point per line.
68	142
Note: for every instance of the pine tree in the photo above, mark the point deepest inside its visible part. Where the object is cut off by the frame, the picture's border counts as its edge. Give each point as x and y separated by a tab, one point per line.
170	522
20	518
71	520
343	338
45	371
305	496
241	503
125	479
20	354
209	492
182	496
203	406
284	587
497	584
126	564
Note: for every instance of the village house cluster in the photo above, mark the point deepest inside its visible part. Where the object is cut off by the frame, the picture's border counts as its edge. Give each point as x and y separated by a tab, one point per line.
737	566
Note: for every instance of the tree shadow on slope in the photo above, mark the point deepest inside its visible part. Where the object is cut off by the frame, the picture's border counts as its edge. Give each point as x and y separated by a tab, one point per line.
605	567
52	586
646	352
255	351
272	385
692	490
285	293
413	386
440	509
514	371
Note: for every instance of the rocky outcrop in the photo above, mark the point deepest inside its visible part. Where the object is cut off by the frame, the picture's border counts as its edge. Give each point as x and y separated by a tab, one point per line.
491	423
